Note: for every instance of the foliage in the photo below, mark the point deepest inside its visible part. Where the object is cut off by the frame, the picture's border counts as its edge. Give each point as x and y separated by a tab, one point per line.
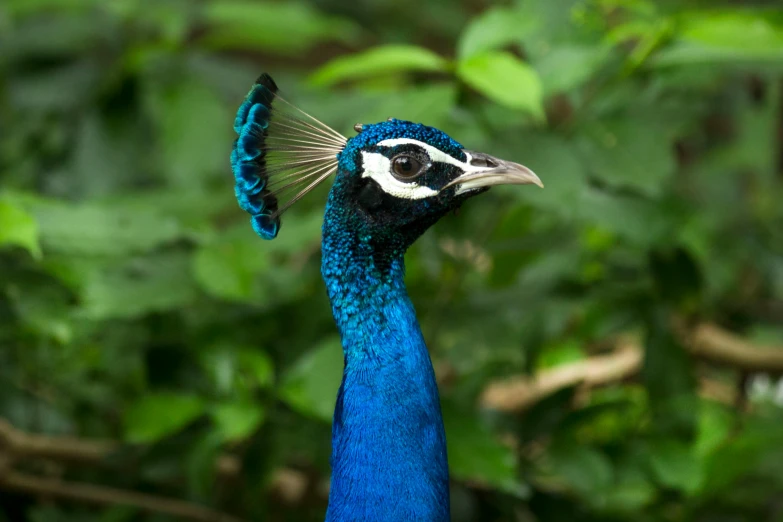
136	304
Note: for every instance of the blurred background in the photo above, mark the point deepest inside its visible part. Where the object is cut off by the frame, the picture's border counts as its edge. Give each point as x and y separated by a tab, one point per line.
608	348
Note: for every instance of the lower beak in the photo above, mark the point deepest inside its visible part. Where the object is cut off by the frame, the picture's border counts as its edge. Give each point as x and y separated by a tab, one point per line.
486	171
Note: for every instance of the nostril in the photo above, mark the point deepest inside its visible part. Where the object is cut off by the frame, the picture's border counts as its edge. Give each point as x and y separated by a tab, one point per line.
483	161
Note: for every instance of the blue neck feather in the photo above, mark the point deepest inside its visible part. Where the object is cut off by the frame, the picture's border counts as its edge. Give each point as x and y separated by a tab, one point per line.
388	444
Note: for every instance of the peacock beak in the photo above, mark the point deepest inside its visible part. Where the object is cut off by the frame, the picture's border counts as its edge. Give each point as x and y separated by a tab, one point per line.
483	170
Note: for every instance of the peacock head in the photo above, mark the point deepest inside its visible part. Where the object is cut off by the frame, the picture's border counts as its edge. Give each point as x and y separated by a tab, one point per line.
393	179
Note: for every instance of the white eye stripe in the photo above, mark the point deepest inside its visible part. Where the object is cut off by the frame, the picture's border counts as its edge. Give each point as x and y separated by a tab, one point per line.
434	154
378	167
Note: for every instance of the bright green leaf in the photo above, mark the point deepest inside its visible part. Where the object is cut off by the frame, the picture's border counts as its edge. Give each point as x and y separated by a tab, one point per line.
19	228
740	31
258	365
237	420
675	465
505	79
311	385
378	61
716	422
158	415
724	37
567	351
494	28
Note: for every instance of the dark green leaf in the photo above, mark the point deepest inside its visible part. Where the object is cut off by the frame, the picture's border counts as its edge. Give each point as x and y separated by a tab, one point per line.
476	454
283	27
159	415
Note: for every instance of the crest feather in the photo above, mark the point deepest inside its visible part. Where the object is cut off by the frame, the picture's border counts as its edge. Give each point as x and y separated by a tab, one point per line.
281	153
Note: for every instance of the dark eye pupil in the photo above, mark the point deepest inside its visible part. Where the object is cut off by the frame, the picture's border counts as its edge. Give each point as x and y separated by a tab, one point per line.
405	166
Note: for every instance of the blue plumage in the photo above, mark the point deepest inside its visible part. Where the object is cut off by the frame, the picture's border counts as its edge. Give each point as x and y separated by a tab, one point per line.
248	158
393	181
389	448
394	128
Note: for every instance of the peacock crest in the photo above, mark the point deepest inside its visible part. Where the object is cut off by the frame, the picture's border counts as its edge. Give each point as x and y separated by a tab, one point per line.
281	153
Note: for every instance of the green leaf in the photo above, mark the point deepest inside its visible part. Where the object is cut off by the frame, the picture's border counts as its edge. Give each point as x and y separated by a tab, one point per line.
743	455
494	28
19	228
716	422
258	365
675	465
632	489
311	385
475	454
286	28
101	229
564	352
633	153
133	288
505	79
227	268
724	37
741	31
159	415
567	67
43	307
378	61
237	420
234	264
637	220
192	151
586	470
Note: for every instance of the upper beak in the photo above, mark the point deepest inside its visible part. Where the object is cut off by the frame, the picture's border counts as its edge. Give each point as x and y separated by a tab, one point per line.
485	171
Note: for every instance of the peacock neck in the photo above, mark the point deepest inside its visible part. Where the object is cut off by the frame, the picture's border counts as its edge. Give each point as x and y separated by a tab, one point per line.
388	444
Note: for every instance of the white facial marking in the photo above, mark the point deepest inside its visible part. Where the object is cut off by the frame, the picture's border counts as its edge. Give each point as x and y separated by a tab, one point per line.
378	167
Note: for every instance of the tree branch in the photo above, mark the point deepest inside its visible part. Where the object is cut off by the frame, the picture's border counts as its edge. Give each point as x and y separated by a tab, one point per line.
102	495
712	343
20	444
16	444
520	392
706	341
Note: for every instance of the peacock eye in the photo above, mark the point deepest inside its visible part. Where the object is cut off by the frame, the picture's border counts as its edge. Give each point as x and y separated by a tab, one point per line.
405	167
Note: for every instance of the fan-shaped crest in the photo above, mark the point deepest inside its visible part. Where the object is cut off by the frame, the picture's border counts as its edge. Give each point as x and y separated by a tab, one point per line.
281	154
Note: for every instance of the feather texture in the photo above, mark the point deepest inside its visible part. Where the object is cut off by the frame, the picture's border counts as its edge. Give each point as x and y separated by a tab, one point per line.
388	443
281	153
393	181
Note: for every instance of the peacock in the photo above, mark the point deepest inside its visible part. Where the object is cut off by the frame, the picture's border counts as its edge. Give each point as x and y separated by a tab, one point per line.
392	181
